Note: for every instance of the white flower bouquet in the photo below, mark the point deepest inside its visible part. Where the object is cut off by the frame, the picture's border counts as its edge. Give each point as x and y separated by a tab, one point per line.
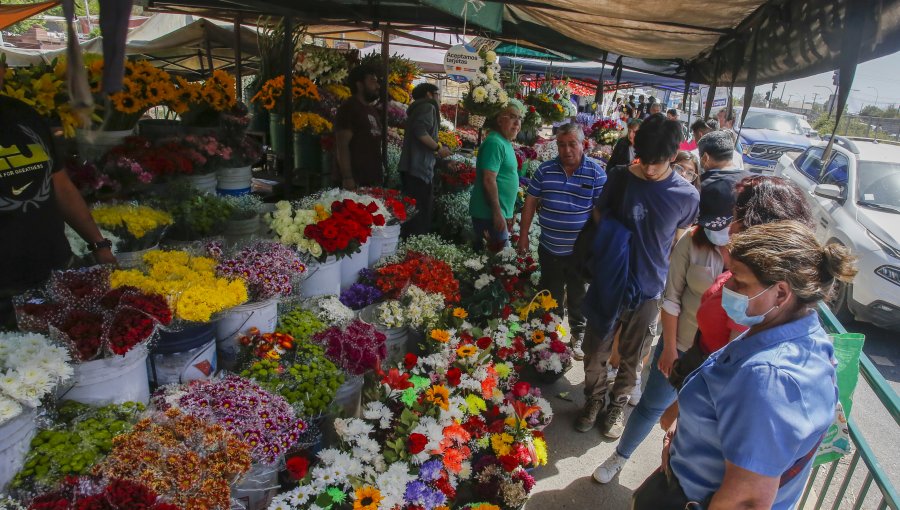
32	367
486	95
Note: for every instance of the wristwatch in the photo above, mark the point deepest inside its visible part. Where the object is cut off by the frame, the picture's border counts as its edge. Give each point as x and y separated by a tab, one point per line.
438	149
99	245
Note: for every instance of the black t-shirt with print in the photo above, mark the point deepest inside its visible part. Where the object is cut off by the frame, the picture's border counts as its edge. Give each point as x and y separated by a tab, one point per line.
32	234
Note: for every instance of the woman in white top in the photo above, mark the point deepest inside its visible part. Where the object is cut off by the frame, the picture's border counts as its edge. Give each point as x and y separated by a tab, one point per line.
696	261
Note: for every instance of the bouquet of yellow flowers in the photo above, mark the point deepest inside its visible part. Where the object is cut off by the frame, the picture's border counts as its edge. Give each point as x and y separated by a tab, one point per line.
310	123
189	283
139	227
202	104
305	93
43	87
144	87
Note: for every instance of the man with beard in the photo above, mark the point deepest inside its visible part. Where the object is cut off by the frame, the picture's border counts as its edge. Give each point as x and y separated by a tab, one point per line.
420	150
357	130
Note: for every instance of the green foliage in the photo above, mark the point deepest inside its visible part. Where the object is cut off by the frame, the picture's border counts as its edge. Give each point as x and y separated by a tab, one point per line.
81	437
196	214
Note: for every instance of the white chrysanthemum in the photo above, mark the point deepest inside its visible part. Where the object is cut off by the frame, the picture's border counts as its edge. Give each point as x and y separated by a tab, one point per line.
9	409
392	484
479	94
378	411
490	57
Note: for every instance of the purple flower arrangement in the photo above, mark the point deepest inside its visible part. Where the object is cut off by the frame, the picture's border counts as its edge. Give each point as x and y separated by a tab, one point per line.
431	489
264	421
359	296
267	267
357	348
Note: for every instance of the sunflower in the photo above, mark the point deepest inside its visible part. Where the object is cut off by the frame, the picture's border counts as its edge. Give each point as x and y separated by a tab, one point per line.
438	395
538	337
460	313
441	335
125	103
464	351
367	498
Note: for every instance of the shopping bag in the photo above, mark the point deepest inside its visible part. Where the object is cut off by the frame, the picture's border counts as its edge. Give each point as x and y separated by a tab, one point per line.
847	349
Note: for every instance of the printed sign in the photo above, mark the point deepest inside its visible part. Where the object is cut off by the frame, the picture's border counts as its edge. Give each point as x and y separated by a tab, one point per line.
462	62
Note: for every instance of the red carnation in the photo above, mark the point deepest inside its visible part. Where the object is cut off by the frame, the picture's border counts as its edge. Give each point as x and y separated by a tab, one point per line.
453	376
557	346
297	467
416	443
521	388
509	463
483	342
410	360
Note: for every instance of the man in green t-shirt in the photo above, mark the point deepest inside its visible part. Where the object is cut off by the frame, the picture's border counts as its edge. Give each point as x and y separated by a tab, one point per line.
496	182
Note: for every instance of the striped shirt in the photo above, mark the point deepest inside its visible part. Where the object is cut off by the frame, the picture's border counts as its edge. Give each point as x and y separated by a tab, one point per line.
566	202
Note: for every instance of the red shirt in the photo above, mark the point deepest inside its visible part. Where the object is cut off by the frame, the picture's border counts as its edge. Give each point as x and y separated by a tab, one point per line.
713	324
687	146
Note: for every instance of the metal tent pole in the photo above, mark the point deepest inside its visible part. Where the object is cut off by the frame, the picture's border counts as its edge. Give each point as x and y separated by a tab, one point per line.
288	94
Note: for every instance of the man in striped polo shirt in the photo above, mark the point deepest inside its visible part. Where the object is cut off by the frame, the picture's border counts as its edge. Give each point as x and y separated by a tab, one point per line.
563	192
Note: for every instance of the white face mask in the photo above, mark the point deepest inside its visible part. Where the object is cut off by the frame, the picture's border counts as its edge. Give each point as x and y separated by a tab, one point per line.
717	237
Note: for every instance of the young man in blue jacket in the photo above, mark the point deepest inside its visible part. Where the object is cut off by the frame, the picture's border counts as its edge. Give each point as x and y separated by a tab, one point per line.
651	200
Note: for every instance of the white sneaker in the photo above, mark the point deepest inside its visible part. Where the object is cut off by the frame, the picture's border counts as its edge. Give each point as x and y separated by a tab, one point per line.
611	372
577	352
610	468
635	397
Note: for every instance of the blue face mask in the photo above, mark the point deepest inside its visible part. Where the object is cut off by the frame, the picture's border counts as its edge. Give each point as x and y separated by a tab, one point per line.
736	304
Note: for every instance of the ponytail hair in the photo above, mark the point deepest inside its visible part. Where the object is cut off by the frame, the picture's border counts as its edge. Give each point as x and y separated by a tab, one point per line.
787	251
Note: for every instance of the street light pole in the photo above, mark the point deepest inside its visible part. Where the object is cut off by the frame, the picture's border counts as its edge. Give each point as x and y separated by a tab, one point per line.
783	88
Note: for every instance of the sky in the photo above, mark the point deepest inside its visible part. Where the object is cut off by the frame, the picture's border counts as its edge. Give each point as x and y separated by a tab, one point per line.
879	78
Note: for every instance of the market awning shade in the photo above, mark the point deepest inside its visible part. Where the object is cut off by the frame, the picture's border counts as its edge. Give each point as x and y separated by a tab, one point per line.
12	14
707	41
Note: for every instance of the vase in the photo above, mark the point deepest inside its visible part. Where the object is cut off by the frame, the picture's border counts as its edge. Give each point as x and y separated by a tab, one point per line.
327	159
155	129
112	380
276	133
307	152
322	278
204	183
15	441
384	241
93	145
262	315
237	231
234	181
353	264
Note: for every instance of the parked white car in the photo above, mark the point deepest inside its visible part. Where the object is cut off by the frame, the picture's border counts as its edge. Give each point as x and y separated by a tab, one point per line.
855	200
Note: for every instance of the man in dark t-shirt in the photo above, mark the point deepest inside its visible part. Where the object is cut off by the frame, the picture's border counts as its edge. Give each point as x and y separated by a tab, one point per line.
358	129
36	199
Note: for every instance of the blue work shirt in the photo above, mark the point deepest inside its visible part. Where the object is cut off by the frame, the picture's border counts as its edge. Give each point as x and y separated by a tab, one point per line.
762	402
566	202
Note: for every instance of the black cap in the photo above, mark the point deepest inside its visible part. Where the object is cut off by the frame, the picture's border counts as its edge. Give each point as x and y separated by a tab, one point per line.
717	198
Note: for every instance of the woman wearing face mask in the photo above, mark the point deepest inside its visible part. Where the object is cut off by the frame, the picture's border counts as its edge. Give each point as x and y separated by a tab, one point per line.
753	414
759	199
696	261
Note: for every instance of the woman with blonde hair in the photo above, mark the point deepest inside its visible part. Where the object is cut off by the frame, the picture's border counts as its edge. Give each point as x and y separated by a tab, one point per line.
753	414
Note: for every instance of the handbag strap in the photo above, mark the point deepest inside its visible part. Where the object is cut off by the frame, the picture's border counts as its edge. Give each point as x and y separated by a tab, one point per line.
798	466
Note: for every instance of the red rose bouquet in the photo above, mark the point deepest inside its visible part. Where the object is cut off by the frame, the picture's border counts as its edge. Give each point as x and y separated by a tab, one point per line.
97	494
346	229
398	206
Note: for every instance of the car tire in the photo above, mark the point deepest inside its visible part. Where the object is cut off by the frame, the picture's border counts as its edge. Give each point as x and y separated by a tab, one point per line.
840	303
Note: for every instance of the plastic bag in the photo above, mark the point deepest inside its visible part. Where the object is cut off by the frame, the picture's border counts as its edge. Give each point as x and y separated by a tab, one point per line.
836	444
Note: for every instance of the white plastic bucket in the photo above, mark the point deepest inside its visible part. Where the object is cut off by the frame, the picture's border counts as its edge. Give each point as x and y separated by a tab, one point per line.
15	441
348	397
234	181
112	380
241	230
396	341
352	265
322	279
132	259
204	183
256	488
383	242
95	144
262	315
182	356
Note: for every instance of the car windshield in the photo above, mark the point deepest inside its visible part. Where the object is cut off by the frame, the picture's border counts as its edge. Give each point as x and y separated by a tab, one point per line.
774	121
879	183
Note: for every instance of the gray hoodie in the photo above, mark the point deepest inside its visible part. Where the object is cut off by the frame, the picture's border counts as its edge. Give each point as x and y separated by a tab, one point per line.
422	118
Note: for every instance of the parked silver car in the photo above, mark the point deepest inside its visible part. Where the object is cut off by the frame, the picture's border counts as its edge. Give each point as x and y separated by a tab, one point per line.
855	200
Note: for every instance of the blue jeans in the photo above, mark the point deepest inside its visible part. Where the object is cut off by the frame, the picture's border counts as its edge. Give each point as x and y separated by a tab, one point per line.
496	240
657	396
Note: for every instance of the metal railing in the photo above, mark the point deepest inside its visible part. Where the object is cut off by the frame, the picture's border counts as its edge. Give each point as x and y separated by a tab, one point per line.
863	451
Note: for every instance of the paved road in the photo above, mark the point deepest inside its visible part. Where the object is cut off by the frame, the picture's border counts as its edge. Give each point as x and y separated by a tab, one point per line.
565	483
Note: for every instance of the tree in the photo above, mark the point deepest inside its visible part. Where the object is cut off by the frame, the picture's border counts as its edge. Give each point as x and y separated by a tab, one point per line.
26	25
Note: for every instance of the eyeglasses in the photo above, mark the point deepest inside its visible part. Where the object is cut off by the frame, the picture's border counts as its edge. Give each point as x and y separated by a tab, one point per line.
514	118
689	175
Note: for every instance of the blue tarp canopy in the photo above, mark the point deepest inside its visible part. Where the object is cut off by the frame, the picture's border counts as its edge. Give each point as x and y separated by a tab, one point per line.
590	72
